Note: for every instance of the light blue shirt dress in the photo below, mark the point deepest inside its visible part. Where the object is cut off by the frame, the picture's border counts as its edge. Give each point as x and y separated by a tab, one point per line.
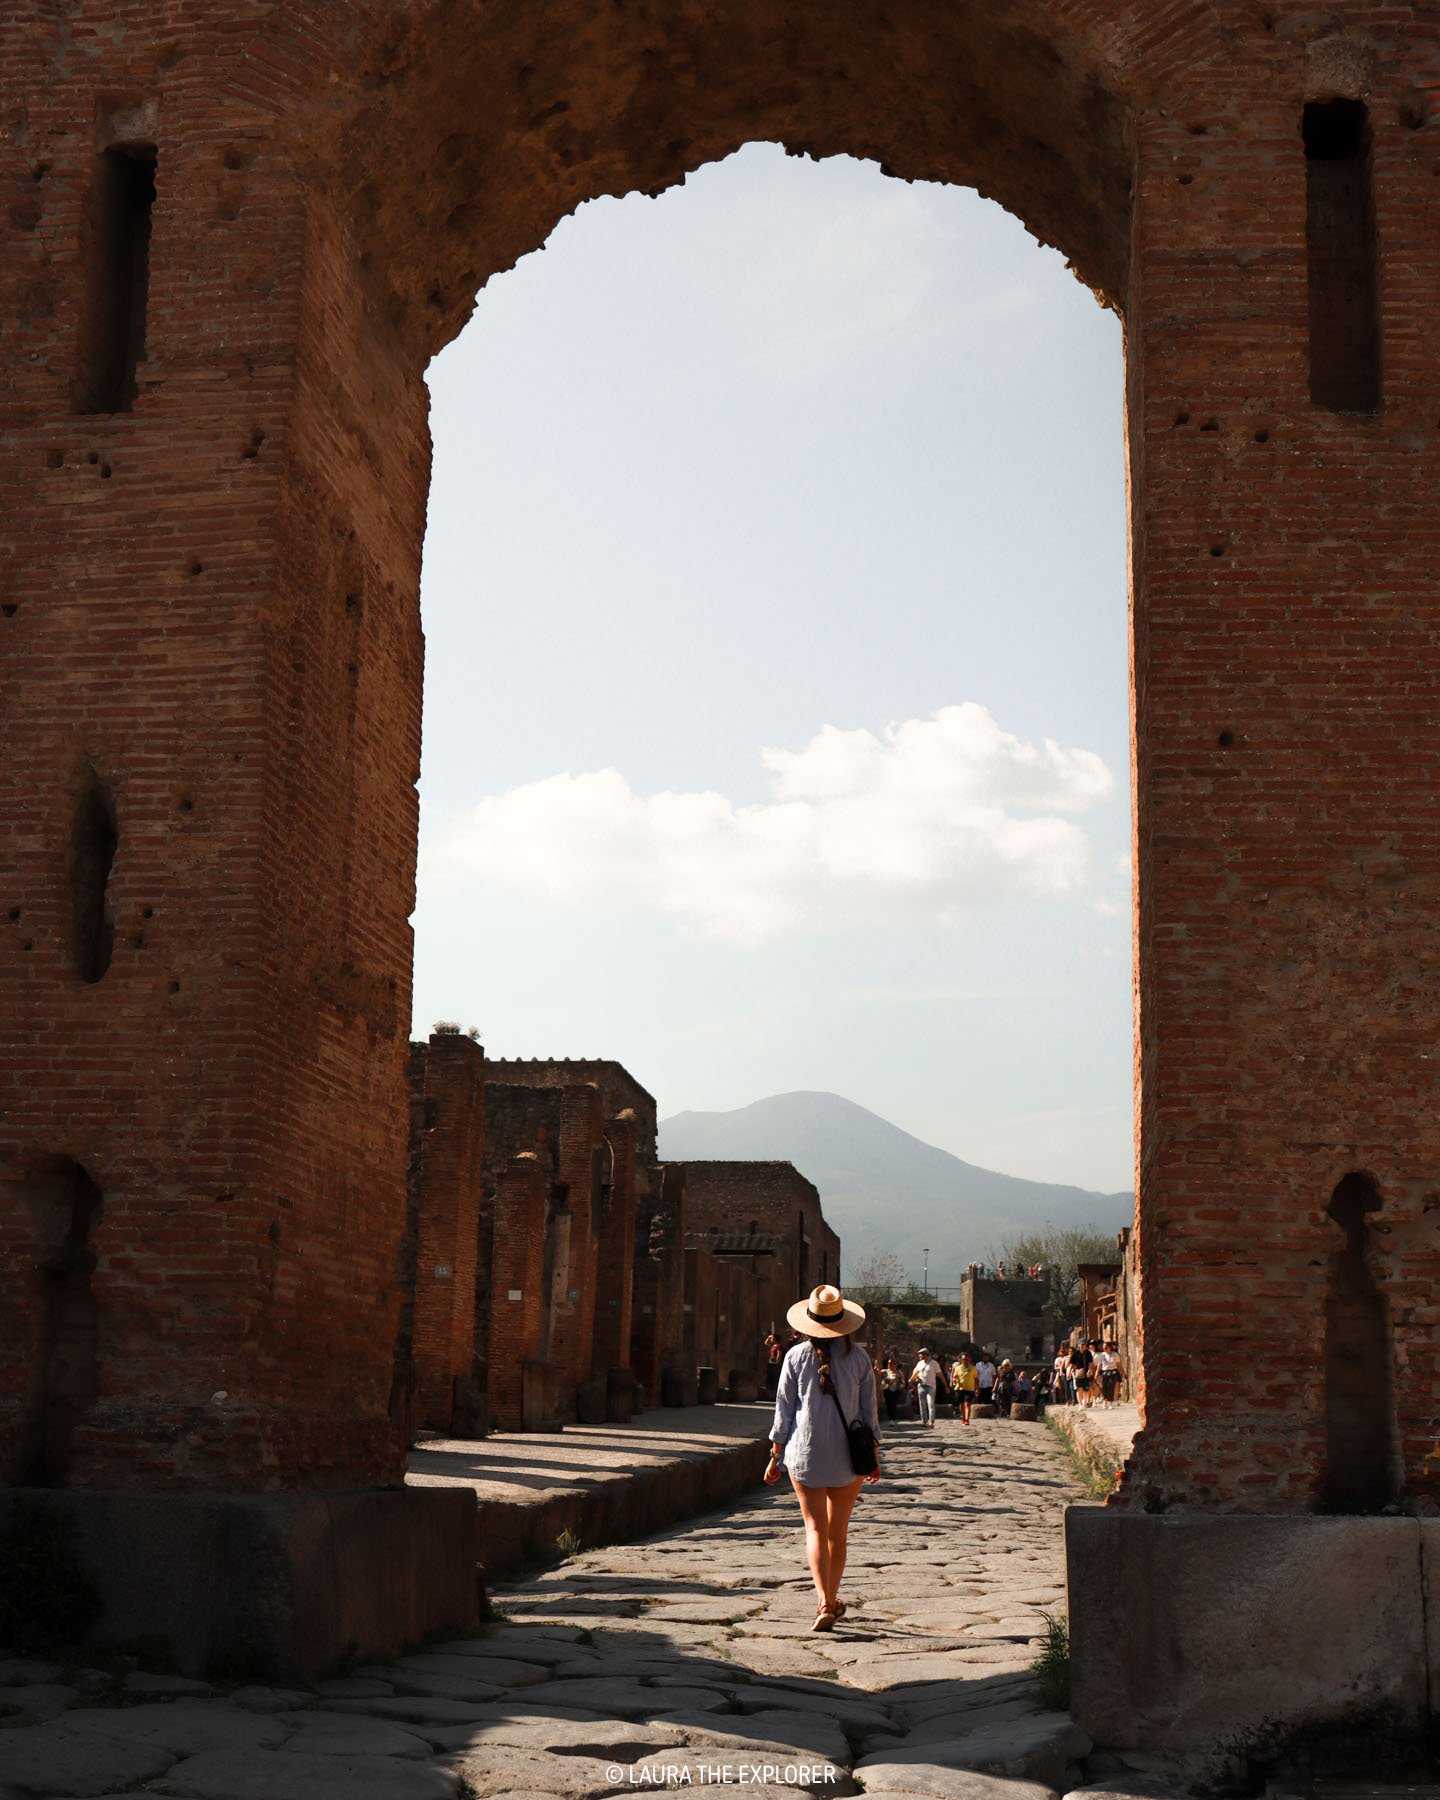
808	1428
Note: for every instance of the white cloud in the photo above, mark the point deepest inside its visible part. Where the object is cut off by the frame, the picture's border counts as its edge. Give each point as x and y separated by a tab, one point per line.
918	826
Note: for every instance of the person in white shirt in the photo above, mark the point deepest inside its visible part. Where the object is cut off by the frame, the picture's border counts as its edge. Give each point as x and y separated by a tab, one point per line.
1112	1373
984	1379
923	1378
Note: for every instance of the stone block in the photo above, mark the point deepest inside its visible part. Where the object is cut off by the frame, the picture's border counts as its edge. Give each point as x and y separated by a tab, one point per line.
679	1387
743	1387
707	1385
620	1401
590	1403
539	1400
280	1585
1023	1409
1205	1635
1430	1576
986	1411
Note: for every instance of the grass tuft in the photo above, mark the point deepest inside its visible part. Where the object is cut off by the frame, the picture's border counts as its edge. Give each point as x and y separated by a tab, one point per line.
1097	1466
1051	1668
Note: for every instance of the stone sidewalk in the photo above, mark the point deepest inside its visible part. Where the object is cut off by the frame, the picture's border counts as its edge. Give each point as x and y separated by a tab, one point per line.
684	1660
598	1483
1110	1431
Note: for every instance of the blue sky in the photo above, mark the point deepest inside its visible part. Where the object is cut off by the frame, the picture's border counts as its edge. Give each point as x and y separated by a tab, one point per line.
776	728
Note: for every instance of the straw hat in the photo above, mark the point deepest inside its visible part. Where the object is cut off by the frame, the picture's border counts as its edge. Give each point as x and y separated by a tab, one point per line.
827	1313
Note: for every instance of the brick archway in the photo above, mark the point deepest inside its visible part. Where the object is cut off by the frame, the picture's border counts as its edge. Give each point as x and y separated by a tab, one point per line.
210	622
455	147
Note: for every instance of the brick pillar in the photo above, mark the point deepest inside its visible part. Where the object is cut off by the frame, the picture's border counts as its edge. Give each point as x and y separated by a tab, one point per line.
448	1092
667	1251
212	682
520	1188
698	1284
1288	837
579	1155
615	1250
657	1319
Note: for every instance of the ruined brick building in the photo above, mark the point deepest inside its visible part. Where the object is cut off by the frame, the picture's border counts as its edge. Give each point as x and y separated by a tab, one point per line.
1008	1314
552	1266
234	235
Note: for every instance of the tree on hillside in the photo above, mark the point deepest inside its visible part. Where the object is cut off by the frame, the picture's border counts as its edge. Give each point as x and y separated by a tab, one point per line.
878	1278
1061	1249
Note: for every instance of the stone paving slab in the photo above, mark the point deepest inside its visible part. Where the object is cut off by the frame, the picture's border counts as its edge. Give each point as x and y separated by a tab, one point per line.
37	1700
48	1760
1040	1748
281	1775
966	1784
500	1671
440	1687
614	1740
786	1733
182	1728
347	1734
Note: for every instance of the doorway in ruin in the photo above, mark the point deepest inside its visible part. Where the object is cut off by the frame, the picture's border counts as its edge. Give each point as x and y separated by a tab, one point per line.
803	465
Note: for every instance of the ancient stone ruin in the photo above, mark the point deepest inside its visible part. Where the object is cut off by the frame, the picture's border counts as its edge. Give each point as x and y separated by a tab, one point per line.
554	1269
234	236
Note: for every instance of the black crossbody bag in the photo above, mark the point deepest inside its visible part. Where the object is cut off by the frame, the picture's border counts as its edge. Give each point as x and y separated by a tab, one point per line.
863	1457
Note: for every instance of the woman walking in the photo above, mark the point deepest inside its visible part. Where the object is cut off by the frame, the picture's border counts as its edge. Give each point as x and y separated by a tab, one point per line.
963	1381
825	1381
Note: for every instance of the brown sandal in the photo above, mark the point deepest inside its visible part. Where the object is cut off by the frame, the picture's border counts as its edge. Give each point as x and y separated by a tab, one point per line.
824	1620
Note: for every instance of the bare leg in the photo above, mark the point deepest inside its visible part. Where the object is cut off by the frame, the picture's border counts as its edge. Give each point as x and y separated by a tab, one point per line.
815	1510
837	1528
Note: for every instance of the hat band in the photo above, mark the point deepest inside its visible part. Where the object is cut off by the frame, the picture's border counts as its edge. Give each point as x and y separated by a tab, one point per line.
826	1318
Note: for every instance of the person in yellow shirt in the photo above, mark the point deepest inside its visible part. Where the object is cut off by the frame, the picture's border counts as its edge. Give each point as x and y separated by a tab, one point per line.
963	1381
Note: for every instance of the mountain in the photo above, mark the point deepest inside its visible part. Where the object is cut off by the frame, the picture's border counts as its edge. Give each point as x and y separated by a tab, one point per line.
883	1189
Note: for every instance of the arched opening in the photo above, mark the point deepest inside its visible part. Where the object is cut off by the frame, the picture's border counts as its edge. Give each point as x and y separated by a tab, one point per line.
797	455
94	840
65	1204
1359	1431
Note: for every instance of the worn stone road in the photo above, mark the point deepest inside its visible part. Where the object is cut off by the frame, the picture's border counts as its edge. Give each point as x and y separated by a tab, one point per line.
684	1660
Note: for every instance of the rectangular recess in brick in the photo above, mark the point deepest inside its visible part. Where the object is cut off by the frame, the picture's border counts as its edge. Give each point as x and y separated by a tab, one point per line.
93	843
1340	241
117	279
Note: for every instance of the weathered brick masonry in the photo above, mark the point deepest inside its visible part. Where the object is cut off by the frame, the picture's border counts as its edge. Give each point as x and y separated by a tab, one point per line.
450	1214
747	1202
213	473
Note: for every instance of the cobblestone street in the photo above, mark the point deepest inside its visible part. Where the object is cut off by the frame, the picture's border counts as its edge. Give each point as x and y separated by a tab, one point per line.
685	1659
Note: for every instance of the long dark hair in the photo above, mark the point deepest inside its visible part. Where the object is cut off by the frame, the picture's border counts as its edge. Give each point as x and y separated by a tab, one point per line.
822	1348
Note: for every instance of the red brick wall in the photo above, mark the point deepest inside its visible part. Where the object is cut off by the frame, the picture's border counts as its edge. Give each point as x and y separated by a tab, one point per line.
207	606
1287	830
721	1312
563	1121
176	630
447	1085
619	1091
728	1196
